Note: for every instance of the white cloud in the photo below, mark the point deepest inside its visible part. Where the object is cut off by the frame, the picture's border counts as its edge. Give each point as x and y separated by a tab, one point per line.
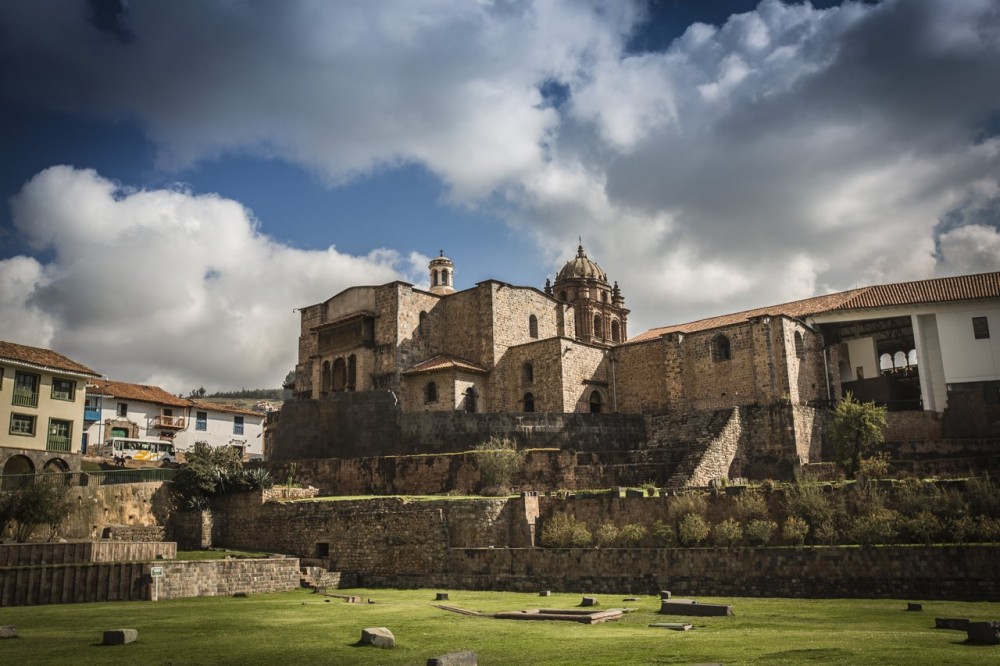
164	286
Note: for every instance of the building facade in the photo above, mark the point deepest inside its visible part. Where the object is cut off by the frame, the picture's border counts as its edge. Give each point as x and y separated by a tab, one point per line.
42	409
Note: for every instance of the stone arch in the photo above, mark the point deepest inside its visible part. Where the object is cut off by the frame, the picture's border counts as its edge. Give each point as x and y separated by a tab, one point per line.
596	402
911	358
533	326
422	326
326	379
19	465
899	360
721	348
885	362
616	331
528	372
529	402
339	374
55	465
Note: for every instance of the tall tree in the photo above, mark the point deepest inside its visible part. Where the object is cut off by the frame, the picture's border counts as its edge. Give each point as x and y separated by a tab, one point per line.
857	428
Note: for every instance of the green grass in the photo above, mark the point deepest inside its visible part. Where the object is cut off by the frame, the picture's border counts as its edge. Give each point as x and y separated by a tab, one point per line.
303	628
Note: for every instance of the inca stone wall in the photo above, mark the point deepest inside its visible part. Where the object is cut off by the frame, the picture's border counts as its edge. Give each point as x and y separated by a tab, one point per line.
213	578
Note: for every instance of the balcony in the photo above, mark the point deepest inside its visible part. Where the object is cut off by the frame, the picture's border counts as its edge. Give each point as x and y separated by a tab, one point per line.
25	398
169	422
57	443
91	414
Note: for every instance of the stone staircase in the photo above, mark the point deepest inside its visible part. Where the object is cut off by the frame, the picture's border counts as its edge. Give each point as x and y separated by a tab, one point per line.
314	576
706	442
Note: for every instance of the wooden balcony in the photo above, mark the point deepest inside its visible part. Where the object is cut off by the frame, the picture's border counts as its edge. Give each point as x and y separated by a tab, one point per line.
57	443
169	422
25	398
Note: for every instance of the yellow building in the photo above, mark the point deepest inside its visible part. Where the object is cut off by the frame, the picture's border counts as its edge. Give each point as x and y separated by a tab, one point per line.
42	396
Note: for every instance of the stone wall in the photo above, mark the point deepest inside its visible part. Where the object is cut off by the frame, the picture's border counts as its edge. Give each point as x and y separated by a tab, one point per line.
79	552
213	578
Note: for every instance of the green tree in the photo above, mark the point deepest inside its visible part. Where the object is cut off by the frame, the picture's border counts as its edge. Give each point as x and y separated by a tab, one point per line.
209	470
45	502
499	463
857	428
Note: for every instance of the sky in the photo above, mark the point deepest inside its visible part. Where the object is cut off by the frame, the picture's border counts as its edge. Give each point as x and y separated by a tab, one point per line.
178	177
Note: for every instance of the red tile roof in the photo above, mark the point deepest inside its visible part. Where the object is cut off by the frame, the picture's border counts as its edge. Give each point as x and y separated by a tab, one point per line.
140	392
220	407
443	362
938	290
43	359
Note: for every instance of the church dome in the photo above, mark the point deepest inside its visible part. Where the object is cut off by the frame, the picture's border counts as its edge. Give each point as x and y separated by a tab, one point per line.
581	267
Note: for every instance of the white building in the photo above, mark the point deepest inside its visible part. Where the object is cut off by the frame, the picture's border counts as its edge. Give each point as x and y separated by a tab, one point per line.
120	409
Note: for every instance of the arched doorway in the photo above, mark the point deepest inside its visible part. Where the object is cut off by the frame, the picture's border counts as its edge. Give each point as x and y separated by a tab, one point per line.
470	400
596	402
19	467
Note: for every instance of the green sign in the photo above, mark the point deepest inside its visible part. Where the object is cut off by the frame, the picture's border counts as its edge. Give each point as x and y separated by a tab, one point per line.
156	572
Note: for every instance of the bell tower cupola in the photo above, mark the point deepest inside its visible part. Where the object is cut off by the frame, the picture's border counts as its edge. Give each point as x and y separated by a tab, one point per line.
442	275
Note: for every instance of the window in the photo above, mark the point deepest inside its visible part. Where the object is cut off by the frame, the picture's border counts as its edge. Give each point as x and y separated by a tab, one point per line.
22	424
431	392
63	389
325	378
201	421
352	372
25	389
616	331
721	350
528	370
800	346
596	402
562	296
122	409
529	402
980	328
422	326
598	327
237	425
339	375
59	438
533	326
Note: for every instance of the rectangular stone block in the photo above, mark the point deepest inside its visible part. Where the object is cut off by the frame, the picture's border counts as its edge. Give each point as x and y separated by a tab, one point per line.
120	636
690	607
454	659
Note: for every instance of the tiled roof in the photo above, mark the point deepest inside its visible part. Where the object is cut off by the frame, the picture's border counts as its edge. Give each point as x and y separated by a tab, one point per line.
443	362
938	290
42	358
140	392
219	407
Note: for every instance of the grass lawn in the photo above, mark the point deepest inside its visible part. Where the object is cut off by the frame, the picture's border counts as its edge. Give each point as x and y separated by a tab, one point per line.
300	627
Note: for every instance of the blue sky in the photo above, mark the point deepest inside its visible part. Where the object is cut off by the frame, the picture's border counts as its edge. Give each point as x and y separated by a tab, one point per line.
180	176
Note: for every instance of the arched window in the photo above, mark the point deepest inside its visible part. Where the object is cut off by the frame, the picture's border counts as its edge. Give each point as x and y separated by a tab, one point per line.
528	371
339	374
325	380
434	278
446	277
899	360
598	327
616	331
352	372
885	362
422	326
721	350
431	392
529	402
470	400
604	296
800	346
533	326
911	358
596	402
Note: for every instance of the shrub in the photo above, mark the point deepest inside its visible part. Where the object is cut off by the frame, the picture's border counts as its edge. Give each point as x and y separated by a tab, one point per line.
962	529
874	467
632	535
751	504
682	505
795	530
208	470
499	463
693	530
988	528
727	533
759	532
607	535
924	527
46	502
856	428
663	534
984	497
563	531
808	501
826	533
880	525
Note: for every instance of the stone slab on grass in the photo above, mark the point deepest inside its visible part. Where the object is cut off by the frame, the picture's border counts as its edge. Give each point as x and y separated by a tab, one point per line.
379	637
454	659
589	601
691	607
8	631
120	636
984	633
674	626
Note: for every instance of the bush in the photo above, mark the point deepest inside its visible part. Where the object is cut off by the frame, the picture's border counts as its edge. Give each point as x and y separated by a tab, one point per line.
988	529
563	531
693	530
208	470
880	525
924	527
984	497
663	535
499	463
962	529
46	502
632	535
759	532
727	533
874	467
808	501
682	505
751	504
826	533
856	428
607	535
795	530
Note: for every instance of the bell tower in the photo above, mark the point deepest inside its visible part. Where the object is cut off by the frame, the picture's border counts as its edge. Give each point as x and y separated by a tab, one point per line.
442	275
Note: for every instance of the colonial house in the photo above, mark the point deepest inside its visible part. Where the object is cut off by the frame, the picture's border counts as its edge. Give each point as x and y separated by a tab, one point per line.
41	406
122	409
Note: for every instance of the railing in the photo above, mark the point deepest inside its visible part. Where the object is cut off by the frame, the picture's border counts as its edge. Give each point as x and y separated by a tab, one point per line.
57	443
169	422
24	398
102	478
91	414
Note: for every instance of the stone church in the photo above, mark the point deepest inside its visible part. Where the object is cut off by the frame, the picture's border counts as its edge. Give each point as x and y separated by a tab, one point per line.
498	358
